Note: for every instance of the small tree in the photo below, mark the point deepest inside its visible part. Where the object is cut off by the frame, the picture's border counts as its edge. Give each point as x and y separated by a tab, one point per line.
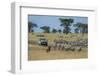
54	30
66	23
31	26
59	31
83	28
46	29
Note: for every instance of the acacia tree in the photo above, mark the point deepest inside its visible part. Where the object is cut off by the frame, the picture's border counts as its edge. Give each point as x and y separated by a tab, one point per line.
46	29
83	28
66	23
54	30
59	31
31	26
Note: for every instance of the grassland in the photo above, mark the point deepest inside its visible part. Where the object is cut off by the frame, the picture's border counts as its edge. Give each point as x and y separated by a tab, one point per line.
36	52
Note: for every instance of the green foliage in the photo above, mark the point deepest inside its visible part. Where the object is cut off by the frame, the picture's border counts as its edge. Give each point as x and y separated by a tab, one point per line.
59	31
46	29
54	30
31	26
66	23
83	28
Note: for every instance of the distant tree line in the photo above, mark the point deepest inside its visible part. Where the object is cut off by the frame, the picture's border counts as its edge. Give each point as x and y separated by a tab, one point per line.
65	23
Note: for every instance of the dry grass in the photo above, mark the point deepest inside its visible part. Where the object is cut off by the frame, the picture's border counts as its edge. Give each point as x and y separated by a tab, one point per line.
36	52
39	53
51	37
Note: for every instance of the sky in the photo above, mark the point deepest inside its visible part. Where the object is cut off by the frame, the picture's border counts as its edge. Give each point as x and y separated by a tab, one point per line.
53	21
